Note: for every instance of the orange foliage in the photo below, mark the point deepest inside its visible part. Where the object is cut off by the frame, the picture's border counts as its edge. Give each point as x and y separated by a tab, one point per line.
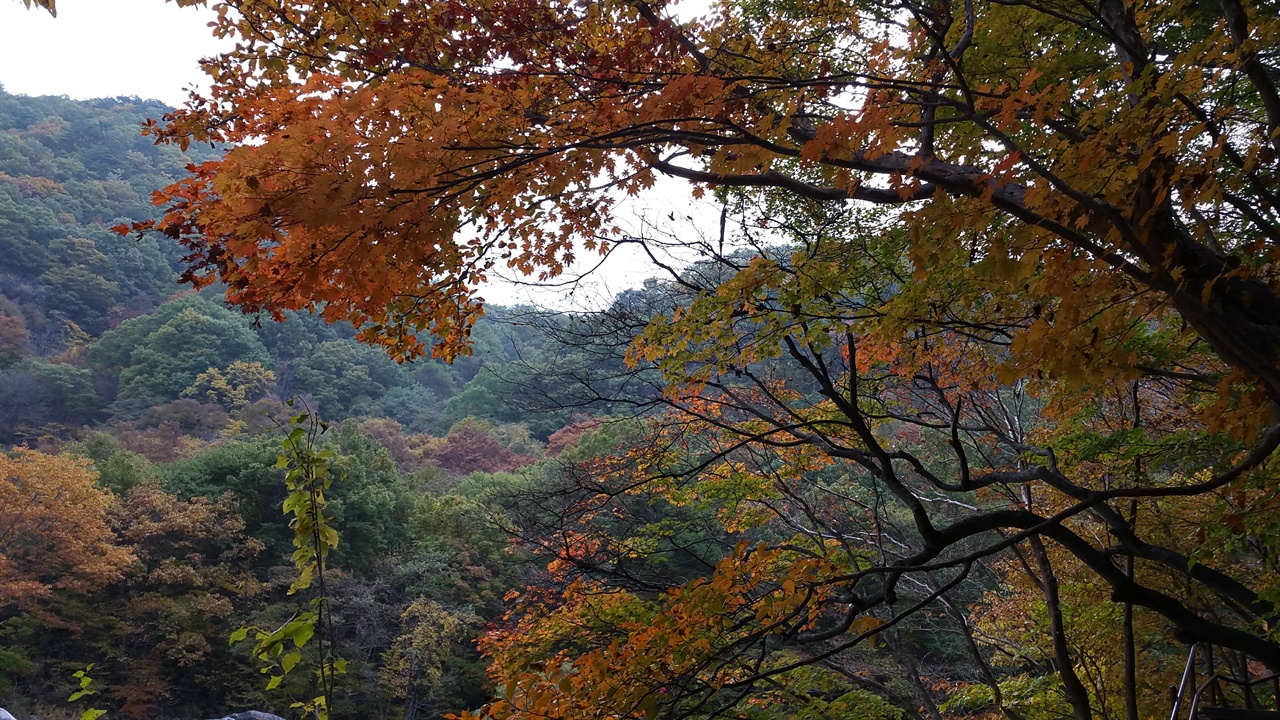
193	570
54	533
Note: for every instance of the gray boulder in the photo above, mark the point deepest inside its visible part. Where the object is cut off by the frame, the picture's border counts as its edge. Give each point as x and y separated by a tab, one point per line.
248	715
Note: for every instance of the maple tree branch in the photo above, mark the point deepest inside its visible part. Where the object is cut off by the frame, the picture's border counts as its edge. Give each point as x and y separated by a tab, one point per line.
1118	20
883	465
897	700
866	604
961	180
786	182
1238	25
1191	626
686	44
1056	12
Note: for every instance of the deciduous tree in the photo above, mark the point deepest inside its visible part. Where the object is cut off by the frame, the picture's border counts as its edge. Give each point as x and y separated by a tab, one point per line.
1084	198
54	533
233	388
415	665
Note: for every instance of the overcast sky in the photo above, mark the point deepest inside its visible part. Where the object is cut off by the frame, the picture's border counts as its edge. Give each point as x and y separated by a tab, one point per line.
103	48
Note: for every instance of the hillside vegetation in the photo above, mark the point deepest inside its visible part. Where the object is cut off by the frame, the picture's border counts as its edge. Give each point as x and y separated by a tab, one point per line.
967	408
140	514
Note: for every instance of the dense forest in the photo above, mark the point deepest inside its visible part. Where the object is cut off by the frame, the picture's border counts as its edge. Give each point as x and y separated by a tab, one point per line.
139	507
969	408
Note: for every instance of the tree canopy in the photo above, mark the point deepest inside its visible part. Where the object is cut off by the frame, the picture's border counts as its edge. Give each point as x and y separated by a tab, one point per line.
485	130
978	383
1010	269
54	531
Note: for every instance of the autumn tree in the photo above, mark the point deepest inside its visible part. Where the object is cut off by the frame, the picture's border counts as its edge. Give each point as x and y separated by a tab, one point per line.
175	607
234	387
54	531
158	356
13	338
414	667
472	445
1083	201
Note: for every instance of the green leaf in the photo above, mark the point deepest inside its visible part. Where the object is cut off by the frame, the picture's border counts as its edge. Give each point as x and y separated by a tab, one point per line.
274	682
649	705
290	659
303	635
294	501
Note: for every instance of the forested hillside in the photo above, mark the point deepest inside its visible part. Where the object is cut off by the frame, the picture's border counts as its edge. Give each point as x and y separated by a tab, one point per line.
967	407
140	518
97	332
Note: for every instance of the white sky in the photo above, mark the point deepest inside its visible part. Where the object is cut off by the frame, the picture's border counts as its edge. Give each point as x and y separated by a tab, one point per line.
151	49
103	48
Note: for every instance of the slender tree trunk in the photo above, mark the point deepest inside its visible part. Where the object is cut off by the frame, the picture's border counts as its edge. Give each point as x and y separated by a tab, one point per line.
1077	695
1130	656
984	668
923	694
1130	646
